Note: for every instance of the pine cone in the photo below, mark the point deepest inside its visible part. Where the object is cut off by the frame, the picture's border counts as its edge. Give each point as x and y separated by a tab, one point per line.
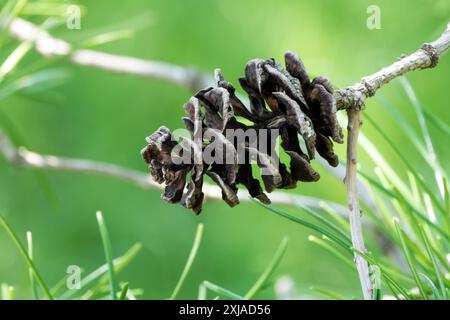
284	101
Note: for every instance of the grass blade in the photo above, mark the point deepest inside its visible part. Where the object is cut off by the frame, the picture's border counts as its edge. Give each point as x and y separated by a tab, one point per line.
380	161
404	124
420	117
408	204
269	269
328	223
328	293
343	223
131	294
30	271
8	13
34	82
219	290
409	259
24	254
123	292
321	242
438	123
107	37
108	254
119	263
190	260
433	261
14	58
411	134
431	284
48	8
202	292
412	171
60	285
446	198
306	224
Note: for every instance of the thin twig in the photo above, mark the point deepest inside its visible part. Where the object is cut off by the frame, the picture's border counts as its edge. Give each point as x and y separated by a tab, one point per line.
22	157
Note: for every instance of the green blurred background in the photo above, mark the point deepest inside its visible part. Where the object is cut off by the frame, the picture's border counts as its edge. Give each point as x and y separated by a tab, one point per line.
101	116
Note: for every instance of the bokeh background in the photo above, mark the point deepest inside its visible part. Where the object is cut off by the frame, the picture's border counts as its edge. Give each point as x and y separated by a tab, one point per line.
101	116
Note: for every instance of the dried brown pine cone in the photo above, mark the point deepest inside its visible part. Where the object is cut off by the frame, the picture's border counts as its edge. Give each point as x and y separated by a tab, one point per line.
284	102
